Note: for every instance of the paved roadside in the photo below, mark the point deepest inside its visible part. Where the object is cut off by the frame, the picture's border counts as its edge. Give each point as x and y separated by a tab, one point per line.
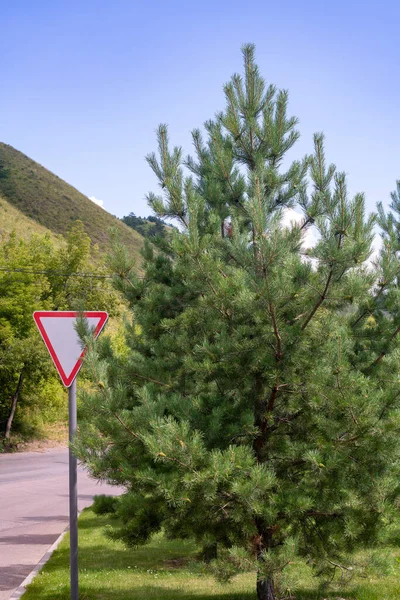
34	509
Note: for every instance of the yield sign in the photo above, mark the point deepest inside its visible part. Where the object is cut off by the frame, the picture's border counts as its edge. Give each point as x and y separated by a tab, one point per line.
57	329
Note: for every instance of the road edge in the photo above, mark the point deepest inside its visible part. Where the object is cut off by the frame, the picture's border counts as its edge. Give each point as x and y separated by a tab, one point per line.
21	589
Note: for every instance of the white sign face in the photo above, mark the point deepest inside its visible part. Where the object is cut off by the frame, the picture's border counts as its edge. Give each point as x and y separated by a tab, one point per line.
57	329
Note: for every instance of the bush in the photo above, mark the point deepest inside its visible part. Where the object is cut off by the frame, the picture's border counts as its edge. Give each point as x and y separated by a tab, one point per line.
104	505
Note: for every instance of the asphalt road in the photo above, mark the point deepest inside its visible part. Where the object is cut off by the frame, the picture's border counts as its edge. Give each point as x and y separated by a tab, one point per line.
34	509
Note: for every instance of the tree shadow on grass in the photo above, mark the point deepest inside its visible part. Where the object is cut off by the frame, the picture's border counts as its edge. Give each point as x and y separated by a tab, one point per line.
156	561
156	592
101	558
98	561
302	594
93	522
145	592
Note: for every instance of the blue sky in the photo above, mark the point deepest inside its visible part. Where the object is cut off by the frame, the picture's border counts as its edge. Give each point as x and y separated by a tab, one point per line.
85	83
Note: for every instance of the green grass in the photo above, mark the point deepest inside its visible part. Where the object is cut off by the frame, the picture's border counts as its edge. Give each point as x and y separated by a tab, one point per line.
162	570
108	571
54	204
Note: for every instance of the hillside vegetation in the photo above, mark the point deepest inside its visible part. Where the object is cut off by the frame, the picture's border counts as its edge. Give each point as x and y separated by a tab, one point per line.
49	235
149	227
54	204
12	220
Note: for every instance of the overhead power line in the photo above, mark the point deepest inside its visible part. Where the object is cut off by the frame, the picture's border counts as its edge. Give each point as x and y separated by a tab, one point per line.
55	273
58	273
83	289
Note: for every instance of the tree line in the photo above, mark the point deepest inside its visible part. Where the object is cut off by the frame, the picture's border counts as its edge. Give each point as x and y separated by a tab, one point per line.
149	227
41	274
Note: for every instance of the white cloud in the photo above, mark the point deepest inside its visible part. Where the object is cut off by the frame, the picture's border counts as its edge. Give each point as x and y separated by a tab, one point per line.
377	244
96	201
310	235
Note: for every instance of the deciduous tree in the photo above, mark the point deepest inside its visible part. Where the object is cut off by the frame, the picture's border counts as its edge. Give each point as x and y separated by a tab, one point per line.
38	275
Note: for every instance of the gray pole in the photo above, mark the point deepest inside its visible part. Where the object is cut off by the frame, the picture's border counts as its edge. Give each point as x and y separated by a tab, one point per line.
73	495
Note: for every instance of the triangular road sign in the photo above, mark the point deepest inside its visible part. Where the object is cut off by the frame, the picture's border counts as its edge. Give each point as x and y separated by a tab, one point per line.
57	329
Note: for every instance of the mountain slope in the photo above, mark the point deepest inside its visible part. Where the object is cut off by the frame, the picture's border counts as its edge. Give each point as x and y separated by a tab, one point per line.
12	220
54	204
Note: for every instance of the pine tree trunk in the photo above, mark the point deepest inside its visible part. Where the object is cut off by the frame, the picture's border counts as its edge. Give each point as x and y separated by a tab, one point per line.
209	553
13	406
265	586
265	589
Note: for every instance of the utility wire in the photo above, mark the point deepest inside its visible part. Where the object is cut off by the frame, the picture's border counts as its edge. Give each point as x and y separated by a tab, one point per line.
55	273
81	288
59	274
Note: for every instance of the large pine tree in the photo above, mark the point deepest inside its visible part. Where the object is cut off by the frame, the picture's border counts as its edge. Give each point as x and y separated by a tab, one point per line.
256	407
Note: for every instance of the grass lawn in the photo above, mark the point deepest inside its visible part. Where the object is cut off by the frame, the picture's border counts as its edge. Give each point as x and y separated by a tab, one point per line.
161	570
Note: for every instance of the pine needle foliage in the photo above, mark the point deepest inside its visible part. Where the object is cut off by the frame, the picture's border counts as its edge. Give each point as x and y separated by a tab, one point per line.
256	406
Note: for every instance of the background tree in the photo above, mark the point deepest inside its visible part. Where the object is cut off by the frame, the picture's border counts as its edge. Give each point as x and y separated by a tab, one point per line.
38	275
252	410
149	227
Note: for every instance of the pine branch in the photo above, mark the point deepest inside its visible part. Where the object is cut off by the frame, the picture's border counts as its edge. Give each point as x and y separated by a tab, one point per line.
272	398
181	464
317	513
224	172
387	406
320	301
222	310
288	418
383	353
278	353
307	222
362	315
272	312
366	311
132	433
341	567
151	379
301	315
259	417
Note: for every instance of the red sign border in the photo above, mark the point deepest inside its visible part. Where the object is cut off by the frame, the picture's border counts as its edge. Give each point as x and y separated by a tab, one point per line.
39	314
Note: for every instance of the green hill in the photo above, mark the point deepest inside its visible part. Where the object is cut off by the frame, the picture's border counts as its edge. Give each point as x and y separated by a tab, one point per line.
52	203
11	219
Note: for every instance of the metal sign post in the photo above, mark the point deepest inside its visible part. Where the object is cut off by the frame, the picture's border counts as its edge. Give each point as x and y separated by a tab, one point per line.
73	494
57	329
